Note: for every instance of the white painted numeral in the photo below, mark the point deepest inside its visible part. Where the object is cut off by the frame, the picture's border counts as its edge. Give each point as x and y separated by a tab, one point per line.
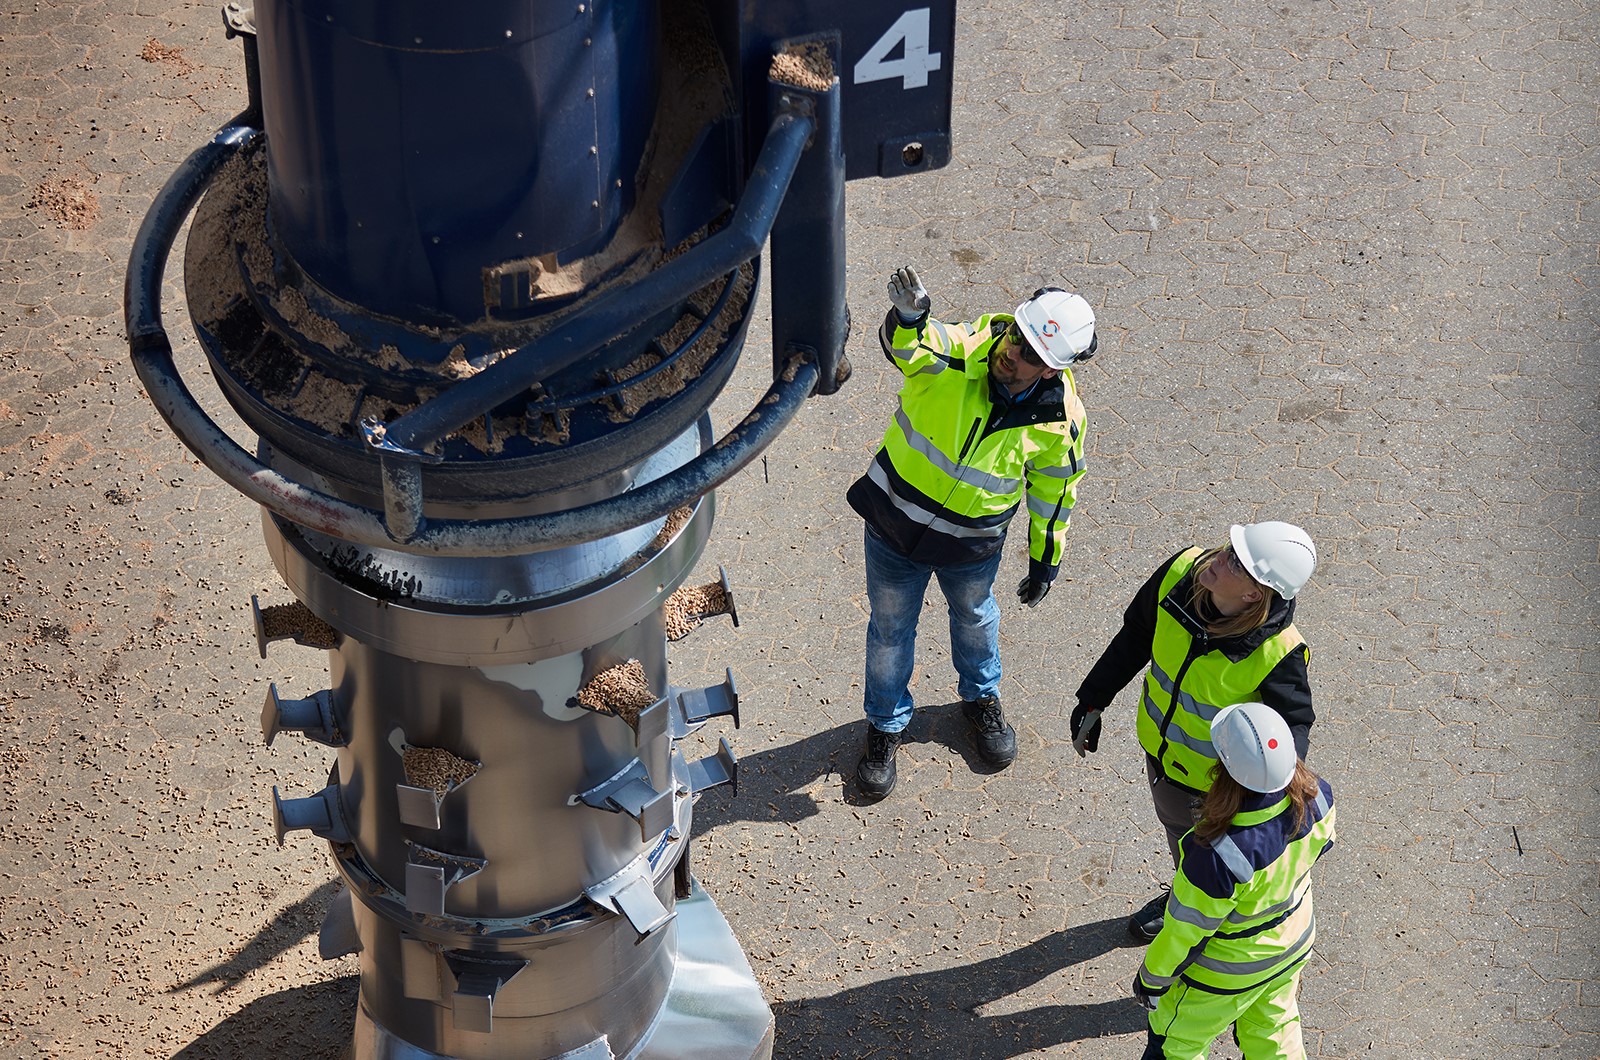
914	65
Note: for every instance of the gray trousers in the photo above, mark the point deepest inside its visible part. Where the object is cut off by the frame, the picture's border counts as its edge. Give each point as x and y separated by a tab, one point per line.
1176	808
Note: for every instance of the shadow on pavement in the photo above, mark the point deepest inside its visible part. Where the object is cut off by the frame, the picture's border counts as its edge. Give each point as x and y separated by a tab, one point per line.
770	781
313	1022
917	1015
941	1013
285	931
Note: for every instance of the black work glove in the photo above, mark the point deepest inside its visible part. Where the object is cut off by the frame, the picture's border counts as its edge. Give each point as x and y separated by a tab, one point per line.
1031	590
1142	994
1085	727
910	298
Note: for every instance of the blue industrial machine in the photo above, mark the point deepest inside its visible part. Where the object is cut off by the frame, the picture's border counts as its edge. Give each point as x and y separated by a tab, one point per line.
473	276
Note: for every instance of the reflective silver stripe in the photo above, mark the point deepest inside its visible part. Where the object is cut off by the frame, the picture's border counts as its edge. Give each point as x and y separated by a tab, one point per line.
1176	734
1250	967
1288	905
1061	472
1323	805
934	366
1047	509
972	476
1234	858
1198	708
918	514
905	354
1160	982
1190	915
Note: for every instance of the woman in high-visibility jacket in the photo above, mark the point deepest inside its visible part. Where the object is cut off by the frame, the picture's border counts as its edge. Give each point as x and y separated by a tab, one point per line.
1215	627
1240	924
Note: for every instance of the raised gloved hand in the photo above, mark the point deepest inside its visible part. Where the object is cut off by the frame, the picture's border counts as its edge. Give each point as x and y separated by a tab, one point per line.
1142	995
910	298
1031	590
1085	728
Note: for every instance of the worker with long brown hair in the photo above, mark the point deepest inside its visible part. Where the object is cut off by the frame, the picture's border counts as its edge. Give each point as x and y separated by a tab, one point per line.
1240	922
1215	626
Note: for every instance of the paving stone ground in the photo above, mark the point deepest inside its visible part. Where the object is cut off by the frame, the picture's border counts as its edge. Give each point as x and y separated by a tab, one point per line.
1345	257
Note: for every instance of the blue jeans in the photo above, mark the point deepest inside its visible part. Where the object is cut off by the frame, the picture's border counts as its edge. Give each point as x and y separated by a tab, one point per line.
895	588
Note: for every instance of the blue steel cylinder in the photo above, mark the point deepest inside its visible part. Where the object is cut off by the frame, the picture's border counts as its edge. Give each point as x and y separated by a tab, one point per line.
414	144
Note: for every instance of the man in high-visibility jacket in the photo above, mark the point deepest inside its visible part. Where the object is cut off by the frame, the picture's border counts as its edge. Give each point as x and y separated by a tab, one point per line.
989	416
1239	924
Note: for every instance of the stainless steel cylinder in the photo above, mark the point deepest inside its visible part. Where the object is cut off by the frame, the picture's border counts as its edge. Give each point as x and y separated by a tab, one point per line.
509	839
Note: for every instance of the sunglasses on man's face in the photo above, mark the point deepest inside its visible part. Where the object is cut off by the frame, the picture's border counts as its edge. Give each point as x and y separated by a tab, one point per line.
1024	351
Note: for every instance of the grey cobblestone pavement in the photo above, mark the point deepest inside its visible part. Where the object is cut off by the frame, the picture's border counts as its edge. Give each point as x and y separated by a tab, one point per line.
1345	259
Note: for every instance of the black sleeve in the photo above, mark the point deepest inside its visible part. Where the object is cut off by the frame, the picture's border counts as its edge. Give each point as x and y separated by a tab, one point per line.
1129	650
1287	690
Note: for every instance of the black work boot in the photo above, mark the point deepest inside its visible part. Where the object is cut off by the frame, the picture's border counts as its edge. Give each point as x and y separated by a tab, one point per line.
997	742
1145	923
875	772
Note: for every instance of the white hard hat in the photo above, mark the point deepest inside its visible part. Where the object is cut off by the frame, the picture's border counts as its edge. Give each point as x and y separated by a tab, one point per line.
1059	325
1255	746
1278	555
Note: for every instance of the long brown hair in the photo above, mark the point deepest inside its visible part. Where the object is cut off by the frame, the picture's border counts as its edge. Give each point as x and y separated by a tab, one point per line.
1254	616
1221	804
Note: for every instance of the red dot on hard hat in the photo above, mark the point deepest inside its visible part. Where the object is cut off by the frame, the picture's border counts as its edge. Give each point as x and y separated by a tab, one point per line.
1272	744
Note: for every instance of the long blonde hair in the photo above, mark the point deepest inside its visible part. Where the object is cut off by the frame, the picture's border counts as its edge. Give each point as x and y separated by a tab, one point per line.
1220	805
1254	615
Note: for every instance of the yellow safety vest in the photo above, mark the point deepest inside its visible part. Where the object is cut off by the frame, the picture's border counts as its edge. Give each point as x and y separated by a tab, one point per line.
1189	682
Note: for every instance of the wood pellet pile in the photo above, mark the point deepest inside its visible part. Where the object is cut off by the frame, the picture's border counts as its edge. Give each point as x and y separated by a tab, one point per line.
436	768
623	690
296	620
677	519
686	608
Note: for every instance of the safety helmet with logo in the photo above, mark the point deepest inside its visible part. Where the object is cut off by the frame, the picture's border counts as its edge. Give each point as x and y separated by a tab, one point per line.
1278	555
1255	746
1059	325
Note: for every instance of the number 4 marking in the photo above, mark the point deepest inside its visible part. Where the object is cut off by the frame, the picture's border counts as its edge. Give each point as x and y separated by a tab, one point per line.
914	65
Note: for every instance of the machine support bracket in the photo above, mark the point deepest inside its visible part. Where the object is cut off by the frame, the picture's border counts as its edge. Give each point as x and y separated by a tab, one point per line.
714	769
431	873
477	983
319	814
632	893
696	706
312	717
631	792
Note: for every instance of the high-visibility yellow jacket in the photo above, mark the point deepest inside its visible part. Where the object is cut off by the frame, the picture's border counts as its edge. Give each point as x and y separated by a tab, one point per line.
960	453
1189	681
1193	674
1240	913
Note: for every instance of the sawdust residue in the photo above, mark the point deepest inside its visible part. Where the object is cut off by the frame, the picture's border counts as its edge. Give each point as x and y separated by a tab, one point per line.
688	364
807	65
69	201
168	55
